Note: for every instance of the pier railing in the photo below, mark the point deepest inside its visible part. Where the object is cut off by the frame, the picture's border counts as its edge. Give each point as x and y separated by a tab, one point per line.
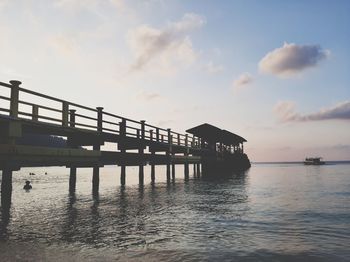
22	103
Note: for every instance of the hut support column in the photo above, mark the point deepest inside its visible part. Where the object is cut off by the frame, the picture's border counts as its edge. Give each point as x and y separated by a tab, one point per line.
6	188
186	168
72	179
194	170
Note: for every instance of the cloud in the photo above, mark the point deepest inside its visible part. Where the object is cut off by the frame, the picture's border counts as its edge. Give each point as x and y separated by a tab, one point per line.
119	4
63	44
3	3
164	123
211	68
148	96
292	59
75	5
171	44
93	6
285	111
243	80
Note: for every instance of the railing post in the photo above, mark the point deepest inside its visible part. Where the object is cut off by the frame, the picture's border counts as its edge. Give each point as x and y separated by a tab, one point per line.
14	97
99	119
138	133
142	129
72	117
162	138
35	112
186	140
122	127
178	139
65	110
151	135
157	134
169	136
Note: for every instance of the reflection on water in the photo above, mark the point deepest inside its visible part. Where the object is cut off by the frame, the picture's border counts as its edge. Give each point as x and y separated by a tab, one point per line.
271	212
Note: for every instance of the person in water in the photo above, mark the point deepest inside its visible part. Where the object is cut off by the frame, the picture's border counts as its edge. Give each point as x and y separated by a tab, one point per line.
27	186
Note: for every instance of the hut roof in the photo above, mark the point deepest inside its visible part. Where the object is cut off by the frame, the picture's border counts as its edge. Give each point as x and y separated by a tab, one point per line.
212	133
231	138
206	131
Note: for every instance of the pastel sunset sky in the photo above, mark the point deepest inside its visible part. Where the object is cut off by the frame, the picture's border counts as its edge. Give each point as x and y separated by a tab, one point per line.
274	72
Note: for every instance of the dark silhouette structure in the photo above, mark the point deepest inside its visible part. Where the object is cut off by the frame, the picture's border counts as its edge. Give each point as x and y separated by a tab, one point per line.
221	150
82	126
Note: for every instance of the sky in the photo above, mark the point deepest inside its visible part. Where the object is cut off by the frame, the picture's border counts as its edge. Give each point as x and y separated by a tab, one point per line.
274	72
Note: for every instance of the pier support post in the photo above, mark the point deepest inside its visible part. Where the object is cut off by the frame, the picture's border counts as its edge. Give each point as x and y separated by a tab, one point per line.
141	175
173	171
95	179
186	171
141	152
198	169
168	172
186	164
194	170
122	175
72	179
153	174
6	188
153	170
96	174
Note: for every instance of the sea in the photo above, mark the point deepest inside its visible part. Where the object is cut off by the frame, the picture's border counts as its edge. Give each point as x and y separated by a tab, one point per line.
271	212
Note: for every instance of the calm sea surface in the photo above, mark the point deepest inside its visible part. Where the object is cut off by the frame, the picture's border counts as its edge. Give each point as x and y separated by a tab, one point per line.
273	212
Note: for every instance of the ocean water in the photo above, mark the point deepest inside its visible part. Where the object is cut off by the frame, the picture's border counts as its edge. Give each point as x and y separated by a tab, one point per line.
272	212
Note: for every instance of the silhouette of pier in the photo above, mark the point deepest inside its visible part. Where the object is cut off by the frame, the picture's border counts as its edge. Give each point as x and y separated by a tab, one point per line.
87	129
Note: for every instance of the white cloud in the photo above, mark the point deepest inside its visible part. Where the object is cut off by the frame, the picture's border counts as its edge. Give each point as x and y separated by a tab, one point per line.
243	80
285	111
3	3
74	5
291	59
153	47
63	44
119	4
148	96
211	68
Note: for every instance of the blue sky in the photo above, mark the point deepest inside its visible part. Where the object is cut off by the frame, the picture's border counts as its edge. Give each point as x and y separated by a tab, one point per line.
275	72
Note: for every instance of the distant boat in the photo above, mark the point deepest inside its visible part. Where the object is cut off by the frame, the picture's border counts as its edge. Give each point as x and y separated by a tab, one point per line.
314	161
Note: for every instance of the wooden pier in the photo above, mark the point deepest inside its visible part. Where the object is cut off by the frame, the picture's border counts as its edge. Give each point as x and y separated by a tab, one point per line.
136	143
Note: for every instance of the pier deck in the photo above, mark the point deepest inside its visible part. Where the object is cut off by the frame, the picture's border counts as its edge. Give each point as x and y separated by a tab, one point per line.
134	143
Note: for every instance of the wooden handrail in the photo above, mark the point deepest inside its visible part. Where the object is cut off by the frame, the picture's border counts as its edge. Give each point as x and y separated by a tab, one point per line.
154	134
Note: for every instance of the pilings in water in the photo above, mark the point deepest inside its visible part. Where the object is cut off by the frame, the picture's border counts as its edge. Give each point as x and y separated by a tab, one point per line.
198	169
97	146
122	175
173	171
96	175
72	179
153	170
6	188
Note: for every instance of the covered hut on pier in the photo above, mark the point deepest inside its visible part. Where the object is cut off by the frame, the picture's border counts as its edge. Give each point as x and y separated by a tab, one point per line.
216	139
